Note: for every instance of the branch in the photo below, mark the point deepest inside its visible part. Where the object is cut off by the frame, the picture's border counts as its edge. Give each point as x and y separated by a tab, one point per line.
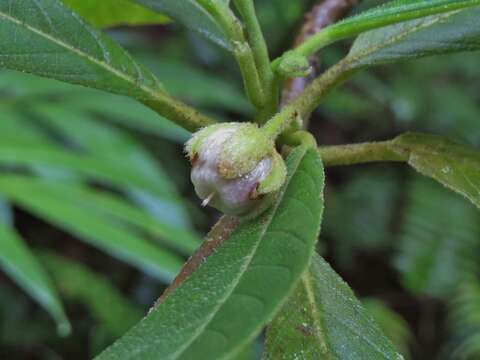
361	153
321	16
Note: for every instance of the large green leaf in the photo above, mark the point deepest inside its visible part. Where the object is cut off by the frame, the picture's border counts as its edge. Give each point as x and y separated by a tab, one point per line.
107	13
17	260
225	303
454	165
78	283
437	34
322	319
90	223
195	14
439	233
48	39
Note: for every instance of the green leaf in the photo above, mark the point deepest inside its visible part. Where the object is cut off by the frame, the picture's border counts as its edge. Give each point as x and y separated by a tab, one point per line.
17	260
391	323
439	233
26	87
89	223
454	165
433	35
108	13
194	14
78	283
393	12
242	283
322	319
81	55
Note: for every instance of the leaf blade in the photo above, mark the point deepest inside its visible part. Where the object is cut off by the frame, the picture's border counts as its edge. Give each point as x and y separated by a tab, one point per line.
236	292
108	13
454	165
20	263
318	321
433	35
90	225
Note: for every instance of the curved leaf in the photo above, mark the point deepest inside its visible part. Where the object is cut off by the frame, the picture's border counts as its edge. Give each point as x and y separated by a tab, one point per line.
108	13
17	260
242	283
90	224
194	15
323	320
454	165
438	34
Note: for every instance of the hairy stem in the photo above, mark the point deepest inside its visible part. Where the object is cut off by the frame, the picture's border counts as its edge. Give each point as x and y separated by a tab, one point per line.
245	57
303	105
179	113
360	153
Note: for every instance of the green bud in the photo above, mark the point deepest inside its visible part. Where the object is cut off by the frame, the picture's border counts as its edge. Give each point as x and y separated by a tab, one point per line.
293	65
235	167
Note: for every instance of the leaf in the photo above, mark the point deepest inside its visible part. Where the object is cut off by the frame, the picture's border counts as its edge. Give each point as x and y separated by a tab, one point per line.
194	14
108	13
78	283
433	35
454	165
391	323
322	319
17	261
31	88
225	303
90	224
79	54
107	143
439	233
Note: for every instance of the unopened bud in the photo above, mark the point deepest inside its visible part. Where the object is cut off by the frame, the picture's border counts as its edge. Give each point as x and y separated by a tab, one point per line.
234	167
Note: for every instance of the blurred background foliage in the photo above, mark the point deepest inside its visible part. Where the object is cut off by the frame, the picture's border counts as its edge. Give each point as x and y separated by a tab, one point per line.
97	214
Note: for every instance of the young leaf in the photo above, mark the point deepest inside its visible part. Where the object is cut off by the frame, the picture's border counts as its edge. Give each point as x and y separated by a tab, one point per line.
48	39
454	165
78	283
108	13
242	283
90	224
322	319
17	261
437	34
195	14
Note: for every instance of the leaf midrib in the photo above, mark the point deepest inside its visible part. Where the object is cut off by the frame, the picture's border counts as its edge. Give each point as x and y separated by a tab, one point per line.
242	272
151	92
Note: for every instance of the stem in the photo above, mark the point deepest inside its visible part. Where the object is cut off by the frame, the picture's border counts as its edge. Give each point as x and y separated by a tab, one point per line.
360	153
256	40
178	112
242	51
377	19
303	105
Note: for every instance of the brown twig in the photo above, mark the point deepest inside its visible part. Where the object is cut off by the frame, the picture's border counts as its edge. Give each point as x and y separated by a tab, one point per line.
321	16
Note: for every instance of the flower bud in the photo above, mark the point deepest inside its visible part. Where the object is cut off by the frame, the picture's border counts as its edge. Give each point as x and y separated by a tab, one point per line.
234	167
